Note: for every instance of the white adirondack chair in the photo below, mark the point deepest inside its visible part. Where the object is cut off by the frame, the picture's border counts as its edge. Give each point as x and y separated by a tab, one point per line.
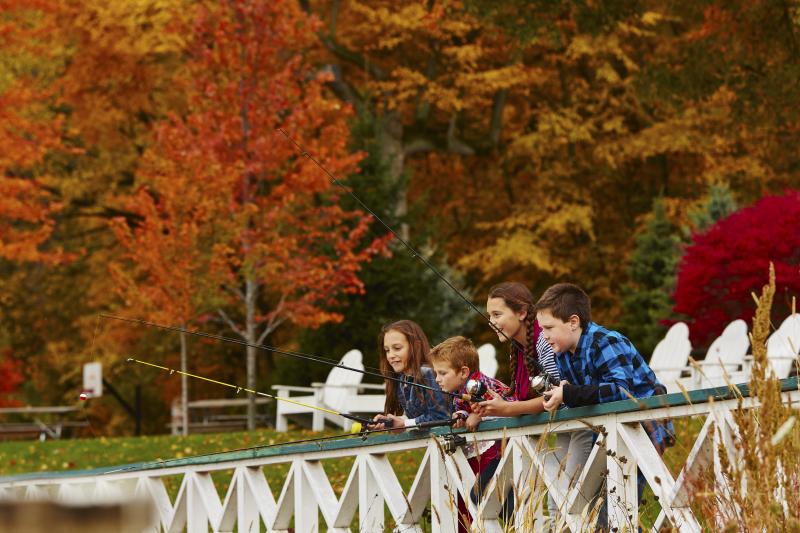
487	357
726	355
783	347
340	393
671	355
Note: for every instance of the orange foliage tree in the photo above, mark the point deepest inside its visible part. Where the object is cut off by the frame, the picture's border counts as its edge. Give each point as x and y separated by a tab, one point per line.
28	131
281	247
163	274
10	378
81	84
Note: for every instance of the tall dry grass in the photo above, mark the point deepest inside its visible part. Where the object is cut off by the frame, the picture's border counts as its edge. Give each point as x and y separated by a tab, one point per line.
755	488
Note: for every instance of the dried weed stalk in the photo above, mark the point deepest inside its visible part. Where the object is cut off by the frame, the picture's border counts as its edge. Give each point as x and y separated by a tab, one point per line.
755	486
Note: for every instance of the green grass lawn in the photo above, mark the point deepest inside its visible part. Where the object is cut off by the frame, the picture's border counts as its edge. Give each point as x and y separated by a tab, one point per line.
77	454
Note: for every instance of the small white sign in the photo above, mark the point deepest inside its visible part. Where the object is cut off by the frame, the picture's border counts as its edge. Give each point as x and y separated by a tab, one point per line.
93	379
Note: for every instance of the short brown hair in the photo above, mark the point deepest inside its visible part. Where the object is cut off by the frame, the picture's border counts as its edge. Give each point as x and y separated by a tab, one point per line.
458	352
564	300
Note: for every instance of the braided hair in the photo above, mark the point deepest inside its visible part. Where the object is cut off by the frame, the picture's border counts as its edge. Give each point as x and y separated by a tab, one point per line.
519	299
418	350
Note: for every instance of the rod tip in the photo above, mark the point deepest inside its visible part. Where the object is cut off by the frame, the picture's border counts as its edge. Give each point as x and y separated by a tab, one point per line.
130	359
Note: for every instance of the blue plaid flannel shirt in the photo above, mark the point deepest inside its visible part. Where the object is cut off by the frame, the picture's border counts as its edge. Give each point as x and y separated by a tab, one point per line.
604	364
424	405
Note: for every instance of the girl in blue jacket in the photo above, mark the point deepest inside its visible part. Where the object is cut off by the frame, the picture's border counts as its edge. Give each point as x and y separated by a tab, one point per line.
404	350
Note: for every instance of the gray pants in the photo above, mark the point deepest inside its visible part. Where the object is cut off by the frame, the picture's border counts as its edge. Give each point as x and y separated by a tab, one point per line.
566	459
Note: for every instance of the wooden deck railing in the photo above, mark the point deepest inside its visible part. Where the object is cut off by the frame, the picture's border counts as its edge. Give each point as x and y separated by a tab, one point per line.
373	498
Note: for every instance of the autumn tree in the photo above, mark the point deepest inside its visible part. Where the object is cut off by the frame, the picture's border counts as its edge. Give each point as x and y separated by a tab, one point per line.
94	75
10	378
559	196
163	275
28	131
542	114
730	260
283	247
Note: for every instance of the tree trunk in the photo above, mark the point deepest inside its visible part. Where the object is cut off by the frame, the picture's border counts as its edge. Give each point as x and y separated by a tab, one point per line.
390	139
184	385
251	290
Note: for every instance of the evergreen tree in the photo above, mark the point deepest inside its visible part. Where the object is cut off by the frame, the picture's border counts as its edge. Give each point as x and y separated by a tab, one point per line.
647	299
718	204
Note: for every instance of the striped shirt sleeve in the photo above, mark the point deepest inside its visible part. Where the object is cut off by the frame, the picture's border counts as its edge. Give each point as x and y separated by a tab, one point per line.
547	358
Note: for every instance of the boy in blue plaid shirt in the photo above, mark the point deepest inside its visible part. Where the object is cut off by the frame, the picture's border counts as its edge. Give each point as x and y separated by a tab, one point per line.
597	365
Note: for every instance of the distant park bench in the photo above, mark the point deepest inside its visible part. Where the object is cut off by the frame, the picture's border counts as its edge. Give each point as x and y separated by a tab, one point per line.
36	422
211	416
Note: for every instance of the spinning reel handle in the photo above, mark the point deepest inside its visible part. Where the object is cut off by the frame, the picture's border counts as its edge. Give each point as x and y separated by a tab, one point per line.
542	383
476	391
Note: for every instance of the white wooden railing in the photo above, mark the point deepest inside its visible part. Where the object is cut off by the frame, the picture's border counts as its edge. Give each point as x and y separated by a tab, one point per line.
373	499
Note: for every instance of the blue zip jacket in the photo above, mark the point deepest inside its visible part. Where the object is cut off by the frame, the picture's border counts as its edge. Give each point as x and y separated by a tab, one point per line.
423	405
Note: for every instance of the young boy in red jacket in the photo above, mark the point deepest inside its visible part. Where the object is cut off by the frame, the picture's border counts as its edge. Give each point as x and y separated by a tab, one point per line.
455	361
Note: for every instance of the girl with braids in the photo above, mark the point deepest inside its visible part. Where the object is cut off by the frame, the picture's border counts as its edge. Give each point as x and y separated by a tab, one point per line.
404	350
511	311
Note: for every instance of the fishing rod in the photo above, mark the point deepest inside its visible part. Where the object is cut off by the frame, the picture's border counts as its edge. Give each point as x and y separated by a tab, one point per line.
414	252
299	355
358	419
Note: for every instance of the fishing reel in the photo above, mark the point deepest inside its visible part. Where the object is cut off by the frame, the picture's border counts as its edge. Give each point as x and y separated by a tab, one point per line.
452	441
476	389
542	383
361	427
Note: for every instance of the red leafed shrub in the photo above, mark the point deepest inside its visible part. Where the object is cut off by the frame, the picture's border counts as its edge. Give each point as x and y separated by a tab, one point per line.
10	377
730	260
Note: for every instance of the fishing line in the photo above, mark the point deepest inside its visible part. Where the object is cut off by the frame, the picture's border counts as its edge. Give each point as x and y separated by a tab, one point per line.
414	252
298	355
239	389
